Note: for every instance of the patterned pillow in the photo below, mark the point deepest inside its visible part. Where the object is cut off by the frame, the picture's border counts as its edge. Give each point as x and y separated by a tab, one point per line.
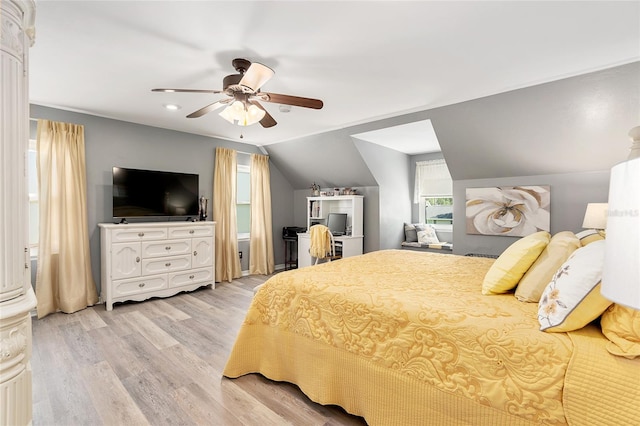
535	280
428	236
588	236
621	325
572	299
511	265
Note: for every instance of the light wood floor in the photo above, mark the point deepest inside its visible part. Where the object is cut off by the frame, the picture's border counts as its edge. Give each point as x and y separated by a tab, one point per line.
160	362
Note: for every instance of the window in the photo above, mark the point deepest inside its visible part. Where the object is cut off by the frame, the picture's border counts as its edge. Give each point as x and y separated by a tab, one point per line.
34	211
243	201
434	193
437	210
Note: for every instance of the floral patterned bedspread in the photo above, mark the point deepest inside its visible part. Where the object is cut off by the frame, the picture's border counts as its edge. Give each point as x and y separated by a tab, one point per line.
419	317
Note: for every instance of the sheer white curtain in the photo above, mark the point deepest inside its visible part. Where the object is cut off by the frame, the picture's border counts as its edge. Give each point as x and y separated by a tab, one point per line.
432	179
64	281
224	214
261	245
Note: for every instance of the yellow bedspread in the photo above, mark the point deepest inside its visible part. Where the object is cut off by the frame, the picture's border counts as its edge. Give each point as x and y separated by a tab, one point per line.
402	337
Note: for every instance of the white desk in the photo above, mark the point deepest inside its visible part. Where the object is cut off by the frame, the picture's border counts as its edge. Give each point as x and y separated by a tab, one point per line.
351	246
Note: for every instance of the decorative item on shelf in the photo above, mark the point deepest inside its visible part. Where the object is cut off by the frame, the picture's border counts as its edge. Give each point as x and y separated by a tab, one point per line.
202	208
323	193
336	191
621	273
315	189
595	217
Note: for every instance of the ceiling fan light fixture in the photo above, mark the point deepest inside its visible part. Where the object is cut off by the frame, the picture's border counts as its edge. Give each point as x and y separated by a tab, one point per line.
238	113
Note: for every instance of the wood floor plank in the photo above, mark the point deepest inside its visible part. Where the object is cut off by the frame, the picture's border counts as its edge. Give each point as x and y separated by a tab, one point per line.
90	319
162	308
202	409
111	399
160	362
154	400
154	334
122	358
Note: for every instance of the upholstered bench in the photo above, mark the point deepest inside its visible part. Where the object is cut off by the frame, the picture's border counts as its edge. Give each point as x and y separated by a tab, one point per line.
423	237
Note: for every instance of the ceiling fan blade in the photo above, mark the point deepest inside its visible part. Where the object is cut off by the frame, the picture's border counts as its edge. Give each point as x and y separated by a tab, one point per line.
256	76
267	121
211	107
186	91
291	100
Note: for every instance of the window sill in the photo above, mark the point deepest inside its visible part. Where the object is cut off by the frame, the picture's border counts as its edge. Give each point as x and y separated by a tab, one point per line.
244	237
443	228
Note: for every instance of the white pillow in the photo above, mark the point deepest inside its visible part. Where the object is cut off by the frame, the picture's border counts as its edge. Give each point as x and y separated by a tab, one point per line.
428	236
572	299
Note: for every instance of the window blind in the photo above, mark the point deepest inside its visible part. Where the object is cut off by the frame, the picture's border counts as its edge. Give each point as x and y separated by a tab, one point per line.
432	179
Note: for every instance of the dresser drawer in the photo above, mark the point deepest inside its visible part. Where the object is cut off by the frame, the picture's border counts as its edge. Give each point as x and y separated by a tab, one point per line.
139	285
165	264
191	277
165	248
126	234
188	231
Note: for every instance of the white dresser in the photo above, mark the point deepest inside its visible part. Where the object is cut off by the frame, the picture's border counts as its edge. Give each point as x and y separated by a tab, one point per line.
159	259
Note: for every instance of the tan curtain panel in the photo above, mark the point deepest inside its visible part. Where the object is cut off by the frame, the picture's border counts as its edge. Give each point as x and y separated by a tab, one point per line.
64	281
261	244
224	214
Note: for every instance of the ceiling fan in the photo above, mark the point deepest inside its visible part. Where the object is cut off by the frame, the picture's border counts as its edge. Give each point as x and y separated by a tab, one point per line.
243	91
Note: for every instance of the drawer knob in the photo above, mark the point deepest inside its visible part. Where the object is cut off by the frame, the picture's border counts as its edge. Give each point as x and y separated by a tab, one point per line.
138	259
141	285
191	231
195	252
140	234
191	277
167	248
167	264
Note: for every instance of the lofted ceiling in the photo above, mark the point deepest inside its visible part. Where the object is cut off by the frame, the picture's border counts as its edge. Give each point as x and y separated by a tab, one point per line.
365	60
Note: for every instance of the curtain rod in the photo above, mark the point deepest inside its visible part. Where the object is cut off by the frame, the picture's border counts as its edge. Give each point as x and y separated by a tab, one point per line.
264	151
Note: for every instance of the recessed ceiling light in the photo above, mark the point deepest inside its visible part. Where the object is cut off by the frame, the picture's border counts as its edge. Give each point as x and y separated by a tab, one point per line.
172	107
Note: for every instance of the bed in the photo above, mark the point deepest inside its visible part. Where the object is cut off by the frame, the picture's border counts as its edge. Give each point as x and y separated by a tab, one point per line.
407	338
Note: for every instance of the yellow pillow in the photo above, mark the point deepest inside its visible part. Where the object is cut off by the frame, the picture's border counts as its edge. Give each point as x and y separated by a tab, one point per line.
572	299
589	236
535	280
507	270
621	325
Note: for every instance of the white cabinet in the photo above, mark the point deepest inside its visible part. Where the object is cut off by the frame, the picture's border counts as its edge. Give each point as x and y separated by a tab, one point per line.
17	299
160	259
318	208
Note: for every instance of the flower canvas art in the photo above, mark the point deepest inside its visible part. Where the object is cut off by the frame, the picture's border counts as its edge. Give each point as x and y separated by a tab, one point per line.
514	211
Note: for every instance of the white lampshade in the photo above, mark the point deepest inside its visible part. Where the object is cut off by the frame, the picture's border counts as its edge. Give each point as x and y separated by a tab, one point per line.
595	217
621	274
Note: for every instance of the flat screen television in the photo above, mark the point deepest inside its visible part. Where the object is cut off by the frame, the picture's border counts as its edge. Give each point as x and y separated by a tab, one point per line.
337	223
144	193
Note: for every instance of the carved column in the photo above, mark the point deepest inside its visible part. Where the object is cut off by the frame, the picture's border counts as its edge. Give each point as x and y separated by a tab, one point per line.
16	295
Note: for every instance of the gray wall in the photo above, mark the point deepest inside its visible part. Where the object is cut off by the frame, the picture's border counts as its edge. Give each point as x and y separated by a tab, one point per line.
570	194
390	168
566	133
572	126
111	143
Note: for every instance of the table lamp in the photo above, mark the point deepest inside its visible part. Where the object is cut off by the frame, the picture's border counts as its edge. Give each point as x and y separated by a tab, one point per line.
595	217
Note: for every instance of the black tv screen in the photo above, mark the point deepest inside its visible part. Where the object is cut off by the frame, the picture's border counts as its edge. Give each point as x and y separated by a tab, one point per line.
143	193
